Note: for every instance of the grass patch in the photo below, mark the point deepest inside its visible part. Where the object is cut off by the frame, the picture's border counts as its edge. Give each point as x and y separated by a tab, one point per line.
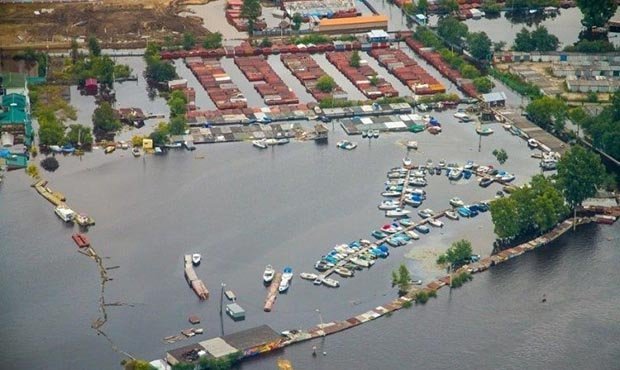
516	83
460	279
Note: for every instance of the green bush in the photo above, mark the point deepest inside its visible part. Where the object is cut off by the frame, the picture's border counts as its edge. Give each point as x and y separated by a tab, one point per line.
516	83
421	297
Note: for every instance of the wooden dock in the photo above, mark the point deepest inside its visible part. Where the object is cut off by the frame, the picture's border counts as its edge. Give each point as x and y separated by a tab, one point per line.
272	293
53	197
404	194
192	279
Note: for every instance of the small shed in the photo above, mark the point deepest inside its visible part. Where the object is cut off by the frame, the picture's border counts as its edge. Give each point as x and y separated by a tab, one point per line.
147	144
377	36
494	99
90	86
235	311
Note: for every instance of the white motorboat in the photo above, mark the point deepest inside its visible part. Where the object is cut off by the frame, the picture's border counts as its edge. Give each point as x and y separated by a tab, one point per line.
283	141
360	262
268	274
196	257
317	281
426	213
347	145
284	285
412	235
391	193
388	204
420	192
398	181
332	283
456	202
135	151
435	222
344	272
533	143
65	213
452	215
398	212
308	276
261	144
455	173
417	173
418	181
461	116
406	162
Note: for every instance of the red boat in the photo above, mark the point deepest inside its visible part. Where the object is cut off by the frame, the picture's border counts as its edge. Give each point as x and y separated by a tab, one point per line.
81	240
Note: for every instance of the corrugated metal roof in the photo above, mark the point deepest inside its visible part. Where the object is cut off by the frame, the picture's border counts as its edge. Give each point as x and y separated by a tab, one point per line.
353	20
493	97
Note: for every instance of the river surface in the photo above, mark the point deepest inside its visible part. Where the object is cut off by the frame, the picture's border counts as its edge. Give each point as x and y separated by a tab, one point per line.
242	209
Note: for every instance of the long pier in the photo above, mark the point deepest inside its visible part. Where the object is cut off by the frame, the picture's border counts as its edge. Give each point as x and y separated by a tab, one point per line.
272	293
192	279
53	197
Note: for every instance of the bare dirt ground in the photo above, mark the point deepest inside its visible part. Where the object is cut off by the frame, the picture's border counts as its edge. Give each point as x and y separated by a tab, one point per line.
128	23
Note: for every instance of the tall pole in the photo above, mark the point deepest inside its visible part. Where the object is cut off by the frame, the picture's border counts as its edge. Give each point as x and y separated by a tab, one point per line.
222	297
321	319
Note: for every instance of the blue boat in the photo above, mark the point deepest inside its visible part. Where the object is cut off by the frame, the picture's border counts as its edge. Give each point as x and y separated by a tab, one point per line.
383	247
379	234
405	222
467	174
423	229
464	212
68	148
482	207
379	253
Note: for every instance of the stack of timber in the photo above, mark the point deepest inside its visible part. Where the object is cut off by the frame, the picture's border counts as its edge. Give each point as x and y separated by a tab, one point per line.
192	279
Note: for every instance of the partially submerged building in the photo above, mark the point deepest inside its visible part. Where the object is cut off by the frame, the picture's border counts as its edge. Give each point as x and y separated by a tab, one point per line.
245	343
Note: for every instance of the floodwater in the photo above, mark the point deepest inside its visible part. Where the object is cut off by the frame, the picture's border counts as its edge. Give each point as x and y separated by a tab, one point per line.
242	209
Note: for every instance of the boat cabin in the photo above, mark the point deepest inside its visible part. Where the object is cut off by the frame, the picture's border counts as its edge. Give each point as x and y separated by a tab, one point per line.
235	311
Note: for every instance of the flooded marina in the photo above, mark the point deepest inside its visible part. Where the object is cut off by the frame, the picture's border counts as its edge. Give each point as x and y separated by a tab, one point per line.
243	209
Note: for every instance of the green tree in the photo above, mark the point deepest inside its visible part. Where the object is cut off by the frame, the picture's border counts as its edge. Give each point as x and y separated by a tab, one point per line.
469	71
160	134
79	136
137	365
447	6
503	214
500	155
32	170
325	83
94	47
546	111
51	130
75	54
402	279
213	41
543	40
374	80
499	46
479	45
104	119
580	172
251	10
265	42
183	366
523	41
483	84
596	13
354	60
422	7
452	30
177	103
491	8
161	71
188	41
50	164
178	125
457	254
297	20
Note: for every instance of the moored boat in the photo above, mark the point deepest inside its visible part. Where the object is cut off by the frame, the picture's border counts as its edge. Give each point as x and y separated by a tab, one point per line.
268	274
308	276
406	162
412	234
388	204
426	213
285	283
64	213
343	271
332	283
84	220
360	262
485	182
379	234
412	144
391	193
456	202
484	131
452	215
347	145
533	143
435	222
397	212
81	240
423	229
261	144
196	258
135	151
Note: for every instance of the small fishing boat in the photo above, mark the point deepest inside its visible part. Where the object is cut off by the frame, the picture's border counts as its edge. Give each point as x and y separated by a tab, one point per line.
196	258
455	174
388	204
426	213
344	272
412	144
283	141
418	181
485	182
507	126
418	173
533	143
317	281
260	144
435	222
484	131
412	234
423	229
391	193
413	200
389	229
364	134
452	215
469	165
375	133
460	115
285	283
109	149
437	170
84	220
398	212
347	145
456	202
429	163
442	163
406	162
548	165
419	192
379	234
360	262
464	212
135	151
308	276
323	265
405	222
332	283
268	274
